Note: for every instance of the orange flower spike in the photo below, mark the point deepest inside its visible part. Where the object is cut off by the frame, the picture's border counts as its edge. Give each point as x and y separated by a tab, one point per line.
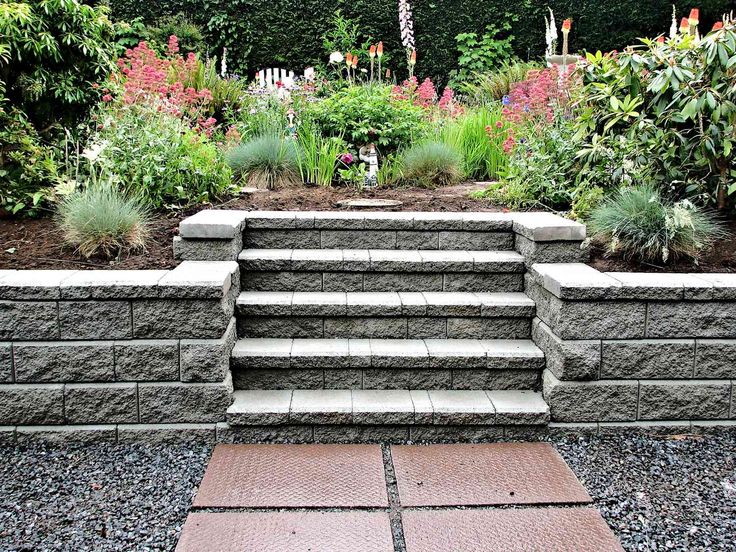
372	51
379	50
718	25
684	25
355	62
566	25
660	39
694	18
348	59
413	57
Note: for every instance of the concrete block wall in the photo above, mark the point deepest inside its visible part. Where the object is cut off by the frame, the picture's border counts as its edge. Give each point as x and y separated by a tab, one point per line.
636	349
126	355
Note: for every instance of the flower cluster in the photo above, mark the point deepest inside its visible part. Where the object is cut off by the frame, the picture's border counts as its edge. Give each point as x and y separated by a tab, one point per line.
147	78
425	95
536	98
406	25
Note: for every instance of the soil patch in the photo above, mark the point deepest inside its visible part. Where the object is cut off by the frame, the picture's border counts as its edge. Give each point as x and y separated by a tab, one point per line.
37	244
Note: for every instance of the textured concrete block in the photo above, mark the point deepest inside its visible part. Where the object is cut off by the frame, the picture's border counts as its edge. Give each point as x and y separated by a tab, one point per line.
411	240
495	379
575	281
261	407
455	281
281	379
207	359
449	354
99	403
213	223
648	358
321	406
684	400
281	281
715	358
607	401
22	404
264	434
183	402
397	378
95	320
64	361
659	427
6	363
207	250
267	353
342	281
147	360
385	303
488	328
316	260
543	226
519	407
278	239
35	285
661	286
361	433
270	260
264	303
343	379
332	303
480	241
462	407
28	320
365	327
303	327
200	280
567	360
551	252
186	318
320	353
426	328
723	285
697	319
87	434
157	434
112	284
382	407
358	239
278	219
402	282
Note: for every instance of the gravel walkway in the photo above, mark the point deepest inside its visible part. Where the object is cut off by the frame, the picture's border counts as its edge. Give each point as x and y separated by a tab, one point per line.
656	493
661	493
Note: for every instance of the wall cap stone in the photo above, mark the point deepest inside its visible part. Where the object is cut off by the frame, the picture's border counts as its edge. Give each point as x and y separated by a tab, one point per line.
213	224
575	281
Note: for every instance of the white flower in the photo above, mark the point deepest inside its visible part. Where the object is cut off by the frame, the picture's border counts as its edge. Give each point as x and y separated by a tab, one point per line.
93	152
223	63
336	57
406	25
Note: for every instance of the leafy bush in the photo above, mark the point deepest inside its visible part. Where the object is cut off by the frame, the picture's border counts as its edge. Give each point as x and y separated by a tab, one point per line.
491	86
638	223
178	25
102	221
268	162
675	101
484	53
483	157
432	164
370	114
159	157
56	50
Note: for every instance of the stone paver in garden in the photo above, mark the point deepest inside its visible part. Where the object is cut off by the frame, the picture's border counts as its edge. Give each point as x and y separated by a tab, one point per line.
374	498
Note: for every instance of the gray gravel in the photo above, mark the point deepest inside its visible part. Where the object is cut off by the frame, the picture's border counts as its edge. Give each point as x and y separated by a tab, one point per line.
96	497
660	493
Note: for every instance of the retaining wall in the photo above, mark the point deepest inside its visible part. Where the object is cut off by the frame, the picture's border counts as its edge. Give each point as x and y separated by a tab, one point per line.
116	355
653	350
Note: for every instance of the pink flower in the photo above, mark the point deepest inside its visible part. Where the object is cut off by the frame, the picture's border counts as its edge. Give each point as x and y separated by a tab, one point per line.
107	98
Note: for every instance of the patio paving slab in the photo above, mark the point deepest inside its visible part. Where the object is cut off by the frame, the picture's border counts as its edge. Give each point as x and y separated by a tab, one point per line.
509	530
294	476
353	531
484	475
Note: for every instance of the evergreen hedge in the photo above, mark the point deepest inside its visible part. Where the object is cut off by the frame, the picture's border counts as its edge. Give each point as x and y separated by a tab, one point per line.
287	33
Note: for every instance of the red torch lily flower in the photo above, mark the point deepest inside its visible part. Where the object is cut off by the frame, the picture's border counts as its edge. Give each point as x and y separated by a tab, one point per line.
355	61
718	25
379	49
372	51
413	57
348	59
660	39
694	17
684	25
566	25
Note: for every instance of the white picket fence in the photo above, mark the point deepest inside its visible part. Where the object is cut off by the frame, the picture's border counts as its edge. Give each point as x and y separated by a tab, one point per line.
267	78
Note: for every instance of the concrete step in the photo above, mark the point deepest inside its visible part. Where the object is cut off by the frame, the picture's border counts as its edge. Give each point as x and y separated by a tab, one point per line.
380	270
384	315
382	407
267	363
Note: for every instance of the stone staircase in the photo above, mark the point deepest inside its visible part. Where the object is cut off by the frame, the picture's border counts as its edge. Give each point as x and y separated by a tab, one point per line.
384	326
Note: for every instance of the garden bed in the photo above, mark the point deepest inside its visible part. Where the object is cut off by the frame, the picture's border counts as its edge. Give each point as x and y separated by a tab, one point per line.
35	243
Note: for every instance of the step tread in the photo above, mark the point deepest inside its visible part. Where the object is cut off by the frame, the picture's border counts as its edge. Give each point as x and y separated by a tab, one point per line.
387	353
344	406
437	303
380	260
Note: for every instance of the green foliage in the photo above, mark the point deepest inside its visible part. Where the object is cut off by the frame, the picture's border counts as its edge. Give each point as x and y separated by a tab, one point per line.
179	25
227	93
345	36
102	221
159	158
432	164
479	54
269	162
483	157
128	34
676	102
492	86
638	223
317	155
370	114
287	33
57	49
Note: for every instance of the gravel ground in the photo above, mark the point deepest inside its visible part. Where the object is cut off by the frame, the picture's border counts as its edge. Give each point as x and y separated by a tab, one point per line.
98	497
676	493
656	493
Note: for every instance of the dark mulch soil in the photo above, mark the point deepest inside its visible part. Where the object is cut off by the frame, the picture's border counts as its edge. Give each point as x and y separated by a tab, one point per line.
720	258
36	243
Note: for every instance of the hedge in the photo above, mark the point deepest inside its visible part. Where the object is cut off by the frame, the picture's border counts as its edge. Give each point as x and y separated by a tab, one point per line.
287	33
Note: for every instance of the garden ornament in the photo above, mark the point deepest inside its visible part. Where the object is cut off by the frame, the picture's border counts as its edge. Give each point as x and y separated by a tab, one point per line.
291	125
369	155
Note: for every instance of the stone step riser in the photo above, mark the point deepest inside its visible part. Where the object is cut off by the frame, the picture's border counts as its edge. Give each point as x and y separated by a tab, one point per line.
386	379
378	239
394	327
349	281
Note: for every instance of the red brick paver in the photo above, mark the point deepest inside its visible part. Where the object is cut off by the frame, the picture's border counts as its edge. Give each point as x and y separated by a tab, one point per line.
508	530
354	531
489	474
294	476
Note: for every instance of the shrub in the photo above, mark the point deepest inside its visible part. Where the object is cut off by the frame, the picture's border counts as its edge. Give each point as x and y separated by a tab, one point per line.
488	87
178	25
157	156
486	52
102	221
370	114
432	164
638	223
268	162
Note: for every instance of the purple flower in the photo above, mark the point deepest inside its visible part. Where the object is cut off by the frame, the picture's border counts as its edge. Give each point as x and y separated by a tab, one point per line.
346	158
506	100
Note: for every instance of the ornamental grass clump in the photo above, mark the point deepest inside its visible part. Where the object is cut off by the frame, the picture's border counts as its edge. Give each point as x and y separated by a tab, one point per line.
432	164
638	223
267	162
101	221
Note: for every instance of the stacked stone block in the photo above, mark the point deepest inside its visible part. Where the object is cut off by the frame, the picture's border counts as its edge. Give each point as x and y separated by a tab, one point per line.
117	354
